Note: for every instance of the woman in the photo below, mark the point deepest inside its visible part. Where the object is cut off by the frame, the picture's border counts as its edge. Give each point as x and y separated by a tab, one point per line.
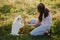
44	22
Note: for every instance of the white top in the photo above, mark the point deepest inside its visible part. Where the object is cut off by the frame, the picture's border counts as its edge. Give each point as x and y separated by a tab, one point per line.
46	21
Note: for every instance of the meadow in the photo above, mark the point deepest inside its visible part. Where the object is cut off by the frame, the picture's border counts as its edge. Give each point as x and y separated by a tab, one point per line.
9	9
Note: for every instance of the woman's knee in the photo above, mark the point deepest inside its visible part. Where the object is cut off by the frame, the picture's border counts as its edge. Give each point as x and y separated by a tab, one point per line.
36	33
32	33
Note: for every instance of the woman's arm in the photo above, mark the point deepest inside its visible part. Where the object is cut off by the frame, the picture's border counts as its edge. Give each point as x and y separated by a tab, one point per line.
37	23
31	24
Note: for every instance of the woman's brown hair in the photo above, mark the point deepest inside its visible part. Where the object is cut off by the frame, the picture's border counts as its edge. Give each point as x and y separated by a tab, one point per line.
42	10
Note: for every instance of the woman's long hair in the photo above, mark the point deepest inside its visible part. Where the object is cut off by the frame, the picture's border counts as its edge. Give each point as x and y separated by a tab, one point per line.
42	10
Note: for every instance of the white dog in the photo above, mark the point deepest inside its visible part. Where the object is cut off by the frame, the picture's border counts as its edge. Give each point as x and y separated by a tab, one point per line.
17	24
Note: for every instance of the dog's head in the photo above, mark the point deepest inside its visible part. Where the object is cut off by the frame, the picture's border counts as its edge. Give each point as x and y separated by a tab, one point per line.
18	18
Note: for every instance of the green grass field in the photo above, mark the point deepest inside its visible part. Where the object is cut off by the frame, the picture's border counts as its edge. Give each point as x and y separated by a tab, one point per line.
9	9
5	34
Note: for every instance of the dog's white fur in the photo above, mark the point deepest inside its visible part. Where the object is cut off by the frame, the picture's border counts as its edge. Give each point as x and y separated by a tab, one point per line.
17	24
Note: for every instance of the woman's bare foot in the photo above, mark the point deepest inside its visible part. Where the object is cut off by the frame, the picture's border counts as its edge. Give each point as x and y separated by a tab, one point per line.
47	33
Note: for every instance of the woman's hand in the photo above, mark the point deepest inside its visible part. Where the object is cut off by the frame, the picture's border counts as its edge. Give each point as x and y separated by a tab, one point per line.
36	24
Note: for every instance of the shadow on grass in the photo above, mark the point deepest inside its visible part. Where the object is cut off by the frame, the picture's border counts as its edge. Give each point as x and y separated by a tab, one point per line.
5	29
24	37
57	28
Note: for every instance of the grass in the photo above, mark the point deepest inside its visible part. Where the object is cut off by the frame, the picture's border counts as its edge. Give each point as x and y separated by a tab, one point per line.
27	8
28	37
25	37
5	34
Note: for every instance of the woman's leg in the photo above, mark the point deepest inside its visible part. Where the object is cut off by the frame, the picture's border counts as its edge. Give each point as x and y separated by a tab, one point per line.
38	31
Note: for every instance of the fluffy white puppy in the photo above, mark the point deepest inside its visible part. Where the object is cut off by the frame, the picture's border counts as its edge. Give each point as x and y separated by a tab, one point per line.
17	24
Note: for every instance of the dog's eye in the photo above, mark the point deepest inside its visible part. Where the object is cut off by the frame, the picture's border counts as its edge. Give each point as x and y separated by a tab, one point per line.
18	18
